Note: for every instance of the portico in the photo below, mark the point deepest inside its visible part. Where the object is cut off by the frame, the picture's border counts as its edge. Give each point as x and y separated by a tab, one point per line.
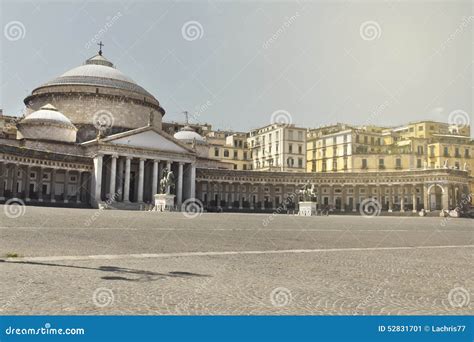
128	167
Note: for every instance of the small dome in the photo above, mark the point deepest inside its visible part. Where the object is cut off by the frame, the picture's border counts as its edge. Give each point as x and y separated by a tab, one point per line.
188	135
47	123
49	113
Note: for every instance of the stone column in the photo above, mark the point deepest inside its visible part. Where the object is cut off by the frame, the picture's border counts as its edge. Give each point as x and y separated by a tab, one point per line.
3	178
210	193
97	190
343	198
66	186
40	183
445	198
402	198
251	196
240	195
168	168
230	196
355	198
192	190
154	185
425	197
141	176
120	179
390	199
14	180
331	197
126	185
261	197
273	197
413	194
113	176
26	182
179	190
52	188
319	205
79	186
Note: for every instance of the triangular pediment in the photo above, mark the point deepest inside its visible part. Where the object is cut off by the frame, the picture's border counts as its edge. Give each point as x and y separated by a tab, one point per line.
150	139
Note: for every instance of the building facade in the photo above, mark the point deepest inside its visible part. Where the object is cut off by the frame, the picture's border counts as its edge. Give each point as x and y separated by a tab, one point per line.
278	147
93	137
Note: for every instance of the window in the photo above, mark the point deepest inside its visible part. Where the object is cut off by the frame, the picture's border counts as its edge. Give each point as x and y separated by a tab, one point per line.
324	152
420	149
290	148
420	128
216	152
446	151
235	154
364	163
366	140
345	164
381	163
345	138
466	153
398	163
334	164
345	150
372	140
300	149
334	141
290	162
357	138
456	152
235	167
226	153
323	168
244	167
300	135
418	163
412	129
300	162
245	155
313	166
432	154
290	135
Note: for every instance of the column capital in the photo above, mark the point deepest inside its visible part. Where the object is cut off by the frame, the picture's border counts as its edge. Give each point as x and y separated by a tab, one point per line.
128	157
98	155
181	163
114	155
142	159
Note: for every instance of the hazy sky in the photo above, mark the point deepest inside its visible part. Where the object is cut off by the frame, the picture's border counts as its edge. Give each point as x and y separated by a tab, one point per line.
323	62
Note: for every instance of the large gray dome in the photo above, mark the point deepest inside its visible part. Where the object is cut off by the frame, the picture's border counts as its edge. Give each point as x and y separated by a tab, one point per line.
88	91
98	71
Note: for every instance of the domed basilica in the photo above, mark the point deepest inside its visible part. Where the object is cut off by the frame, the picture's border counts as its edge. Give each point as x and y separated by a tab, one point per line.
94	135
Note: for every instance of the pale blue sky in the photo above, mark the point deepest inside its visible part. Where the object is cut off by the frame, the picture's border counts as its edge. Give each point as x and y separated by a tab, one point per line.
317	66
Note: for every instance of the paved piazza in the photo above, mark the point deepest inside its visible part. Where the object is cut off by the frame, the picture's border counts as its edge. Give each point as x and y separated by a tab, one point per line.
77	261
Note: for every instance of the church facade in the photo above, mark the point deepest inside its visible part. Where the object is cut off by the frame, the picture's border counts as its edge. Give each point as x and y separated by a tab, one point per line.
93	137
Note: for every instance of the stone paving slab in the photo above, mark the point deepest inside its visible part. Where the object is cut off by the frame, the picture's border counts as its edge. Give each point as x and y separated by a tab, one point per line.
357	266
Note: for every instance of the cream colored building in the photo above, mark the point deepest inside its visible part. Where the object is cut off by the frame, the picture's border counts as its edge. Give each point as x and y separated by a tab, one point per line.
278	147
230	148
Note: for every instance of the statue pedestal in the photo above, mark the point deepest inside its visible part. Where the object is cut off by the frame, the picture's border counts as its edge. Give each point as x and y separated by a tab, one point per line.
164	202
307	208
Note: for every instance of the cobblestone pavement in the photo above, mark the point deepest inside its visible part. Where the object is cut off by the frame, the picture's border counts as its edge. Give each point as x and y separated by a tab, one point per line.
77	261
